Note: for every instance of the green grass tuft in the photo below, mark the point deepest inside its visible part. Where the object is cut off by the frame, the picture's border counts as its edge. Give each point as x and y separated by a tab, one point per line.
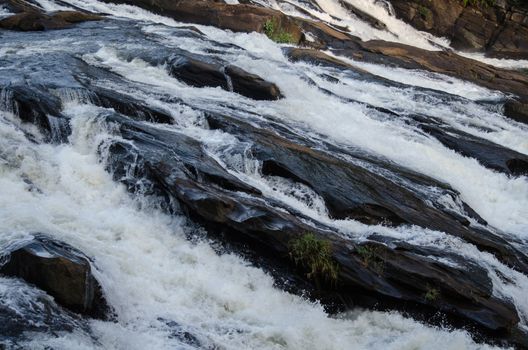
277	34
371	257
315	255
483	3
424	12
432	294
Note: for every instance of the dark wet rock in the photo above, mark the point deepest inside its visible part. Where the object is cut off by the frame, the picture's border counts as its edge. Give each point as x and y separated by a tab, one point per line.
315	57
60	270
200	73
386	267
354	192
126	105
489	154
37	106
517	111
36	21
193	162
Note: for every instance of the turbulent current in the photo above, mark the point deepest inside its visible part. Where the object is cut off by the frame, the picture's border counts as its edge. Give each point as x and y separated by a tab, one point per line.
171	287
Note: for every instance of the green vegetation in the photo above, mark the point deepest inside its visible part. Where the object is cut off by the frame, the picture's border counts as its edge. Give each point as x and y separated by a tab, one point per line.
424	12
371	257
277	34
315	255
478	2
432	294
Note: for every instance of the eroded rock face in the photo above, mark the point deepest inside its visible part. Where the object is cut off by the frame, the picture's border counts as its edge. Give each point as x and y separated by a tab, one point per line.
61	271
500	30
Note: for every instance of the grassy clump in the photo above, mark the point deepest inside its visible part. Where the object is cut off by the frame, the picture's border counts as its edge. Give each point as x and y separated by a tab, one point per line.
371	257
315	255
478	2
276	34
431	294
424	12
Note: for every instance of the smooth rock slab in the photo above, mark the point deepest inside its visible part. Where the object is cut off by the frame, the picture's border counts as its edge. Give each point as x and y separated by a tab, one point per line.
37	21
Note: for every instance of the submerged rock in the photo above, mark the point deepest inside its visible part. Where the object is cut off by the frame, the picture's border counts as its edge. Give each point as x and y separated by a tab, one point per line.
26	310
60	270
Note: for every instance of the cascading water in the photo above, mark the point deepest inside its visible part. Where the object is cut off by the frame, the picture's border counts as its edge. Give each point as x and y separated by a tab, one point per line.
169	285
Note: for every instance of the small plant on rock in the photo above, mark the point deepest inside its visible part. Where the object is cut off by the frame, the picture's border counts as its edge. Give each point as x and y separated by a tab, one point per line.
315	255
272	31
431	294
371	257
483	3
424	12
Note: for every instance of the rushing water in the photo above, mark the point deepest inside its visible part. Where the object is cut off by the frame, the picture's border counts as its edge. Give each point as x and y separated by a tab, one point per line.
158	281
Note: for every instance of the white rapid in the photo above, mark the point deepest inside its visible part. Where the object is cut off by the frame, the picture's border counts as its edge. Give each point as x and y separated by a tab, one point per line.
160	282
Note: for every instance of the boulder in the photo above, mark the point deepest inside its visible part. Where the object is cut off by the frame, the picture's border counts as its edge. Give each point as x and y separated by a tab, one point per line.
200	73
60	270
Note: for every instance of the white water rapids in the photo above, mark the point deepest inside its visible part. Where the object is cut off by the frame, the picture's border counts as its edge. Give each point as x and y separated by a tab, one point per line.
148	268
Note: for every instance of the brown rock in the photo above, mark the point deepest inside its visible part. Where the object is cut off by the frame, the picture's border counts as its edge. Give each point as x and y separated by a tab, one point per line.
499	30
238	18
36	21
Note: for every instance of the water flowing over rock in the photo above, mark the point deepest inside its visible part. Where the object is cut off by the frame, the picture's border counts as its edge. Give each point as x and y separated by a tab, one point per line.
217	163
